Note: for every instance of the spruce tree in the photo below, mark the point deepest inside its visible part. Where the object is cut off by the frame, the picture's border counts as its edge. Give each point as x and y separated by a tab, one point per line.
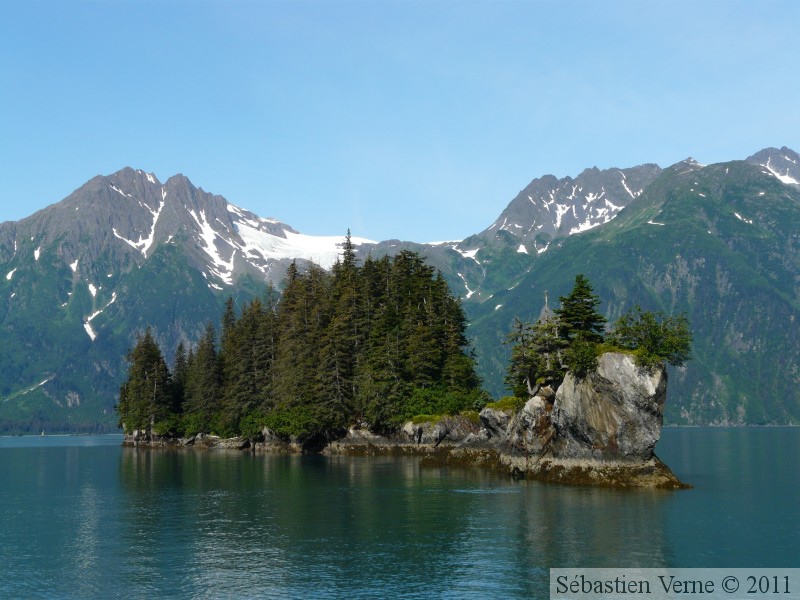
342	342
202	399
180	372
146	399
372	342
578	313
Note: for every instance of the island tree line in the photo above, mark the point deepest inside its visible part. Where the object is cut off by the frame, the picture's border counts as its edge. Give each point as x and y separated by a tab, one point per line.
571	337
374	344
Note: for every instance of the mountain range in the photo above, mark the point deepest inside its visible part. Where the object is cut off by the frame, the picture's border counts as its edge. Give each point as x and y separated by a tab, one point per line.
719	242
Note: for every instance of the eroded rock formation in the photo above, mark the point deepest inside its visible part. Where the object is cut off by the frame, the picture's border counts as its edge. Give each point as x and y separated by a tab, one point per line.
598	430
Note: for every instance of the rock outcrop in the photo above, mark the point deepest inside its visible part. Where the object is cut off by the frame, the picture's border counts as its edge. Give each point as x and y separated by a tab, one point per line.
614	413
596	430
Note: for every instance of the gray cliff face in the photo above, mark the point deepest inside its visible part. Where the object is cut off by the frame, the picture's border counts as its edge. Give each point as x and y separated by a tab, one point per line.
614	413
599	430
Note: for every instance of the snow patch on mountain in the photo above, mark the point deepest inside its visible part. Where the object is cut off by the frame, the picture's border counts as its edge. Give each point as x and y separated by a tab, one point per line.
249	217
783	177
10	274
98	312
627	189
144	243
469	291
38	385
89	331
119	191
323	250
561	210
222	268
585	226
468	253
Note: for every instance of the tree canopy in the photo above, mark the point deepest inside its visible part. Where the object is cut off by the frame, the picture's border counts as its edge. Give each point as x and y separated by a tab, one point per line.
572	337
654	336
146	398
375	343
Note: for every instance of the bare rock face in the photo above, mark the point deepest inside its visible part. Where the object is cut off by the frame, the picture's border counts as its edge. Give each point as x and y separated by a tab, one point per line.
449	430
495	421
597	430
614	413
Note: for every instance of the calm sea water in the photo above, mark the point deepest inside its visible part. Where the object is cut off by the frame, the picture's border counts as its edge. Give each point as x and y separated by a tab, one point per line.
81	517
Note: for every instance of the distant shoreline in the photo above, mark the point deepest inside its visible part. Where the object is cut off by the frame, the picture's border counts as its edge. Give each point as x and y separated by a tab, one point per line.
743	426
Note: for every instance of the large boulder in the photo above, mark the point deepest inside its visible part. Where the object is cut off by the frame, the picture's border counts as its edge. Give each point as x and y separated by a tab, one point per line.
615	413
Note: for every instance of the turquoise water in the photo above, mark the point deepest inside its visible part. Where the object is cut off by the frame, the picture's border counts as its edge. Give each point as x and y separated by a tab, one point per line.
81	517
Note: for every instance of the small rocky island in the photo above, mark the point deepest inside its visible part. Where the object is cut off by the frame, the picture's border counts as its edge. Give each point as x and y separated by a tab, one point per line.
597	430
390	373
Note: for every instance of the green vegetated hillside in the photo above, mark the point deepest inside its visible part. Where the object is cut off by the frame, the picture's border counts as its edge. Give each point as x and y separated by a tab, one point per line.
719	243
43	337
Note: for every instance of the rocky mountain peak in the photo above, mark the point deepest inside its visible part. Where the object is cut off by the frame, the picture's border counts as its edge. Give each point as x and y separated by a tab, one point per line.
783	163
549	207
126	216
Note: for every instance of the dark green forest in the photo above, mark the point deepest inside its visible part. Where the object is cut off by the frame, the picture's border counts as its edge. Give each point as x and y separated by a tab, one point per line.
371	344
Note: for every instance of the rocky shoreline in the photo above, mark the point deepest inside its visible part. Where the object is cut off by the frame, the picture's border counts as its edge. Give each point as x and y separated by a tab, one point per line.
600	430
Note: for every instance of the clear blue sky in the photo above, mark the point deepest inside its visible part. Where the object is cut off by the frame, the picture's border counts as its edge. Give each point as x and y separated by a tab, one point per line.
411	120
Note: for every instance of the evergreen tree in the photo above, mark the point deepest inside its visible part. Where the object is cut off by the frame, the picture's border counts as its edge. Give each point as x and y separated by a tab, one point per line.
228	323
146	399
298	383
378	342
180	372
578	313
202	398
537	357
266	349
343	339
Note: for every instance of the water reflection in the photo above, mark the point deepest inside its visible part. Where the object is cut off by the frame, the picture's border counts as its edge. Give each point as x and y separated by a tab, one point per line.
244	524
84	521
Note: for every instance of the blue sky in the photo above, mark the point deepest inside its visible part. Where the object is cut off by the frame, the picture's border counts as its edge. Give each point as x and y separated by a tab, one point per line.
410	120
